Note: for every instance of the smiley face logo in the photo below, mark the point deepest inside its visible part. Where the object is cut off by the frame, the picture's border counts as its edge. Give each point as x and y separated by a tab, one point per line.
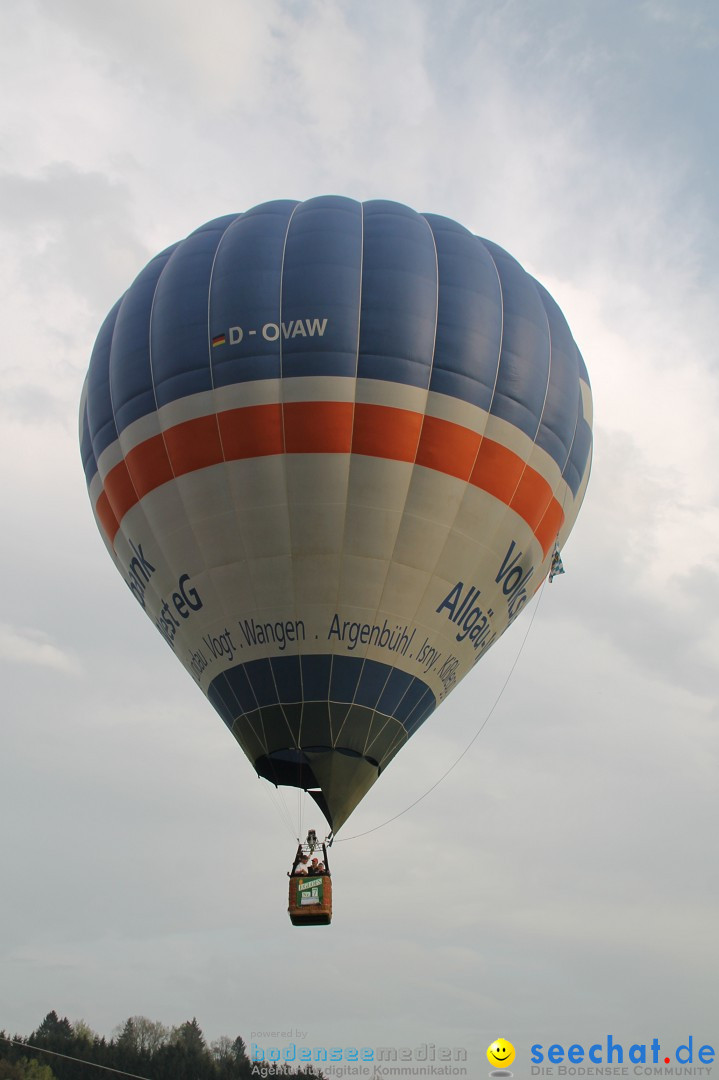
500	1053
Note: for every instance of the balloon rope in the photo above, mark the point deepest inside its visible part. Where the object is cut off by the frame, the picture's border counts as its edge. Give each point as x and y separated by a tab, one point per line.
344	839
82	1061
281	808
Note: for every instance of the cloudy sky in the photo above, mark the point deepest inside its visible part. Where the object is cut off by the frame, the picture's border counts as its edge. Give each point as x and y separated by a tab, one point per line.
562	882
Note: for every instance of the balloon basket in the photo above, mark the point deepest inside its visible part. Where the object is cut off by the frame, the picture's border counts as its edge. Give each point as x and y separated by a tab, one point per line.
310	901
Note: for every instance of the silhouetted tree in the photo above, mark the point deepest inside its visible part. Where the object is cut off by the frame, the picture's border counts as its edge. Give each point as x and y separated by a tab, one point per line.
142	1036
231	1060
53	1033
186	1056
141	1046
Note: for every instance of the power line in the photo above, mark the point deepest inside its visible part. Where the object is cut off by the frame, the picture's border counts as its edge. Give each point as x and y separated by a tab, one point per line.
67	1057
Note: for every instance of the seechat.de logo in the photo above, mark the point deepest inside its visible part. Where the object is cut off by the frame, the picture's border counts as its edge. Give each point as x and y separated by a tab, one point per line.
643	1056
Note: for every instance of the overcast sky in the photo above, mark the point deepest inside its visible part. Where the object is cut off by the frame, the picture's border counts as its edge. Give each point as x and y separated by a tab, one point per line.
562	882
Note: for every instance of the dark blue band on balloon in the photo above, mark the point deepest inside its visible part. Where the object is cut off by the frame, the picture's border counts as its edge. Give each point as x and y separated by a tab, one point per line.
343	680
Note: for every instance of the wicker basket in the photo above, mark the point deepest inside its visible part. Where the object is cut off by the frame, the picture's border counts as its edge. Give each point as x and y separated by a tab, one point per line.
310	901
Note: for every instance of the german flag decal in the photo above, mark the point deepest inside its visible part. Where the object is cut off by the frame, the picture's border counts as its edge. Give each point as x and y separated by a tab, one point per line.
220	339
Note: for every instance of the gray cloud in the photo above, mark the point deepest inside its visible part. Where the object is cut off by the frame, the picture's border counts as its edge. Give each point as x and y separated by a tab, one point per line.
72	230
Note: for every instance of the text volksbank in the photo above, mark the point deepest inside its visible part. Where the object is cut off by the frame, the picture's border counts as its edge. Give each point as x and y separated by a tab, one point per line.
292	1052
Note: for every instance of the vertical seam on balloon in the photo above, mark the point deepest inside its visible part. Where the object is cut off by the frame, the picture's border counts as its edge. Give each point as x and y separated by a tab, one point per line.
526	464
224	675
260	735
580	416
561	480
162	429
482	434
152	378
189	518
151	590
404	734
231	501
246	666
84	426
499	350
398	740
112	403
399	737
421	710
333	740
539	422
468	486
414	465
263	737
409	485
549	375
351	703
247	674
294	738
152	369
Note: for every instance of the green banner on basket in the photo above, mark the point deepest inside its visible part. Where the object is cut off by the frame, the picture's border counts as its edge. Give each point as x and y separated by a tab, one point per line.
310	891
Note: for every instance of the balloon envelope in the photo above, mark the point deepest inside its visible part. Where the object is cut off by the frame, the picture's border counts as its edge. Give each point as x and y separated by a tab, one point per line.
331	447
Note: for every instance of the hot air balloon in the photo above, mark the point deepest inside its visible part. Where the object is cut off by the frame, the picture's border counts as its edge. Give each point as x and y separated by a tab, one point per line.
332	447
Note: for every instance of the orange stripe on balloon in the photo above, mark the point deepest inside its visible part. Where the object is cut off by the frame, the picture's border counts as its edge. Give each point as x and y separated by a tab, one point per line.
548	528
255	431
381	431
329	427
497	470
447	447
106	517
120	490
318	427
502	473
149	465
532	497
193	445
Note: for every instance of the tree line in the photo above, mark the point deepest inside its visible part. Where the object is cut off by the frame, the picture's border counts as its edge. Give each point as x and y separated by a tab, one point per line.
60	1050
